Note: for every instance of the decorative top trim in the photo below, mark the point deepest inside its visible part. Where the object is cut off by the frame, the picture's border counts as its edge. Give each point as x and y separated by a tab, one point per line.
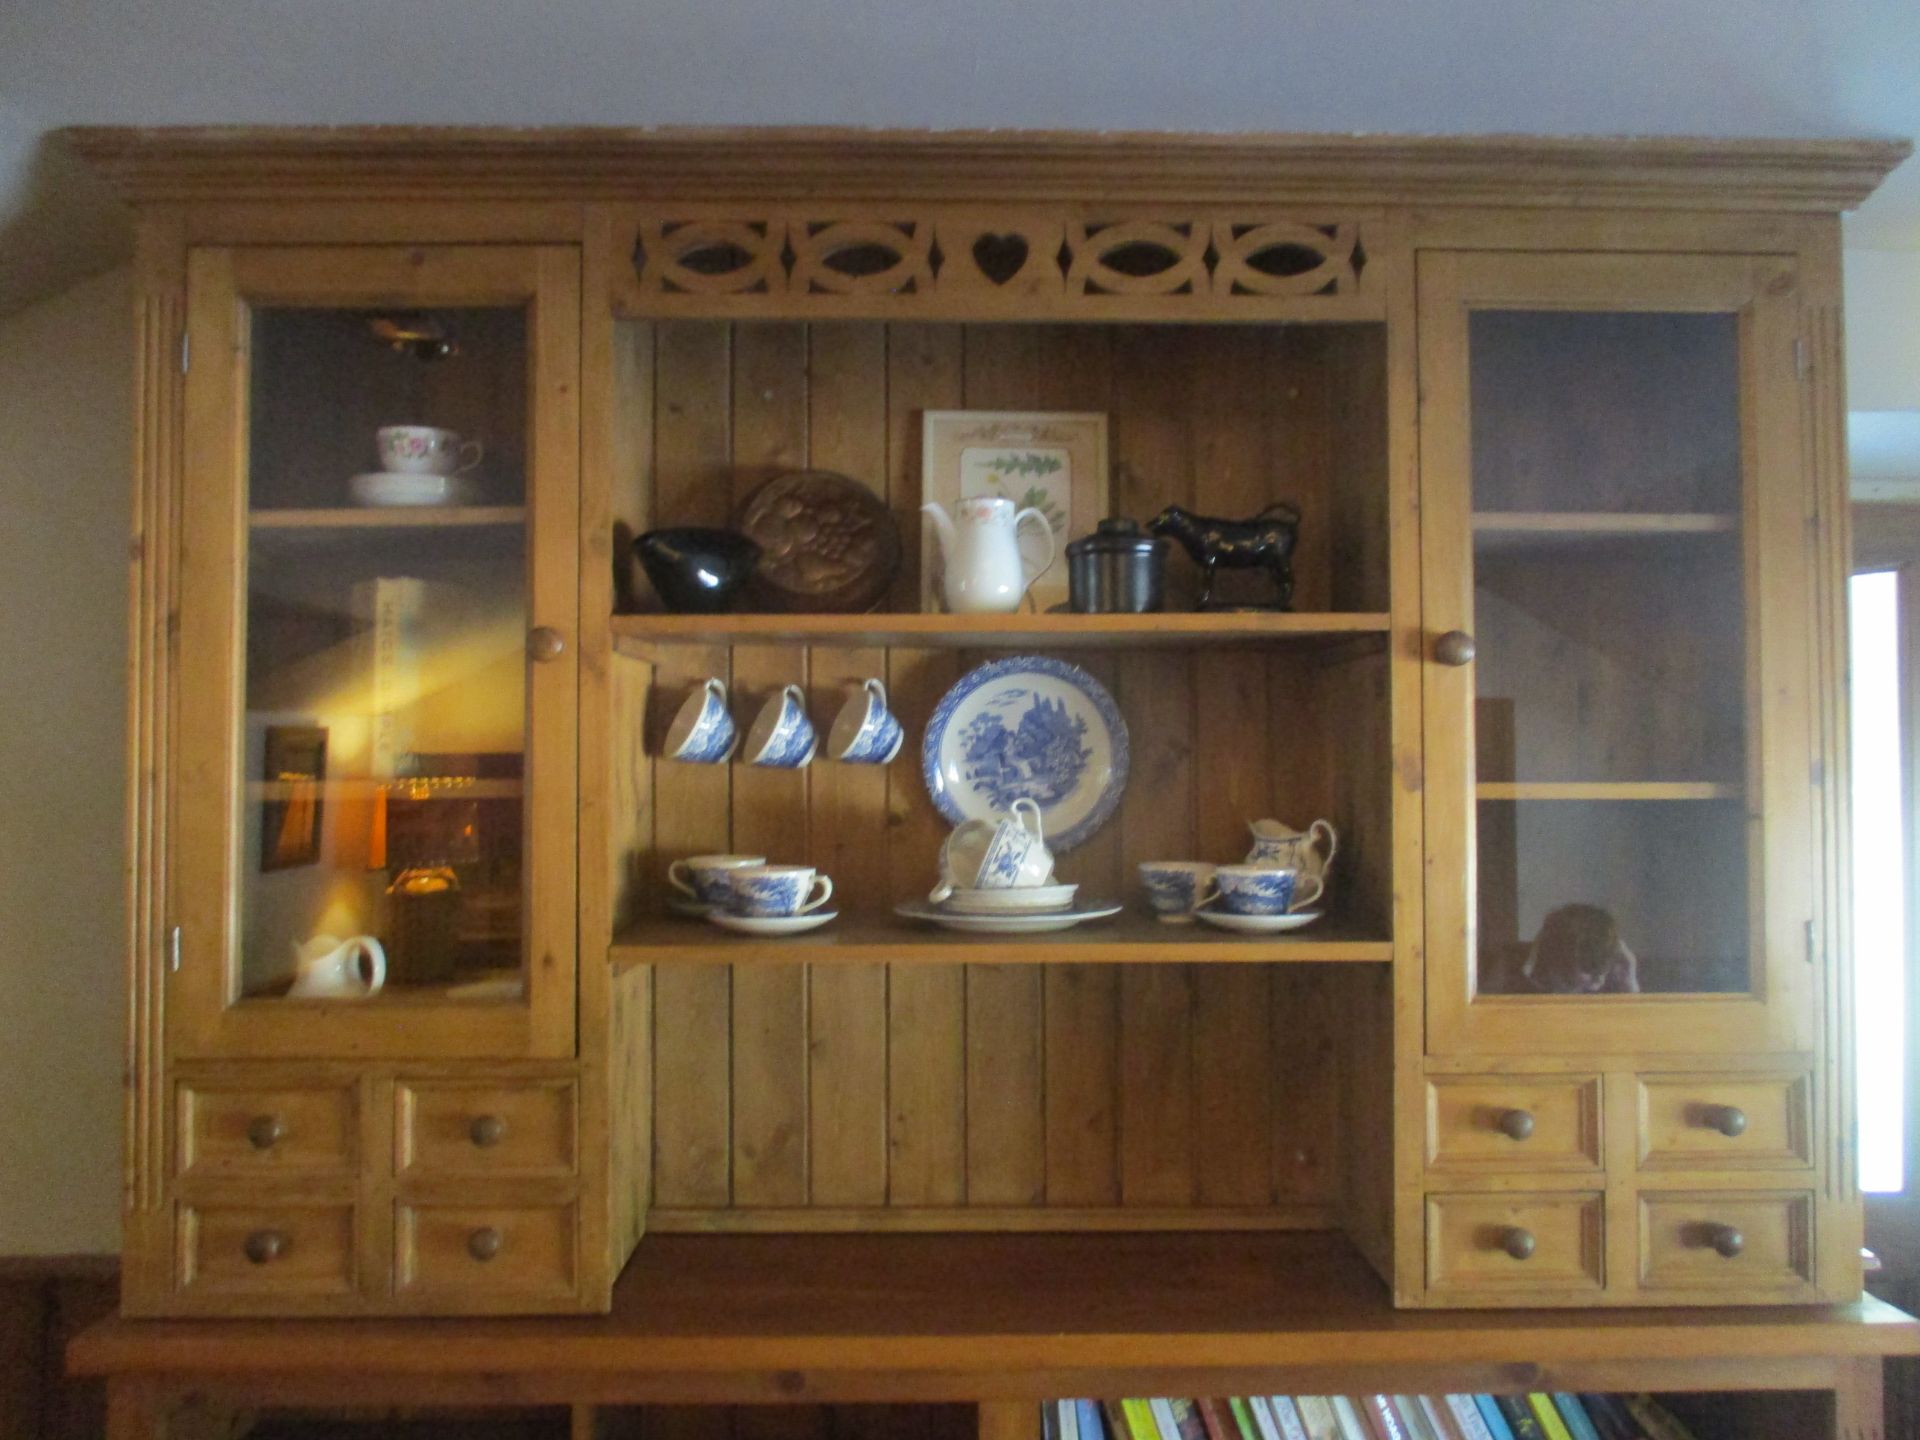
393	163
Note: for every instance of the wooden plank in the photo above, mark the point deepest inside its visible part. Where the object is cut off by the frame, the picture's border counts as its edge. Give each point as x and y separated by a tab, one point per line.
1006	1138
644	634
1157	1143
1232	1088
1082	1084
1305	1047
924	372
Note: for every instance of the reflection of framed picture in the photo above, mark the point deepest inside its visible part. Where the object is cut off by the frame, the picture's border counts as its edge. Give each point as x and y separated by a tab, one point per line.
1056	463
295	766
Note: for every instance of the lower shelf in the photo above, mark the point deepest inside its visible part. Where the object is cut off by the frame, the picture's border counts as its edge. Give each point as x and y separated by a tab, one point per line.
874	939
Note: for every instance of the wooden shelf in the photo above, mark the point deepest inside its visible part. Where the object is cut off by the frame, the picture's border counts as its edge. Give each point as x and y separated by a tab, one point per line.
437	788
389	517
983	1316
1606	790
635	634
1129	937
476	987
1518	532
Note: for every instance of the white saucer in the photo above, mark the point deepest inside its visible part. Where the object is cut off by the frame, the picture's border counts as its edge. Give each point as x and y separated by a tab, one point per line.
692	909
1257	924
389	487
1019	900
1030	922
771	924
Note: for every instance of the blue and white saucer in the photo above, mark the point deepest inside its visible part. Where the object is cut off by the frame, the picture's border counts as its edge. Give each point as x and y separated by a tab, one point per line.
1256	924
1033	728
771	924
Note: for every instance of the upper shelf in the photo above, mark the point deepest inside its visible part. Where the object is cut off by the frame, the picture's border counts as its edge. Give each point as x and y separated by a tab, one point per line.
633	633
1504	532
388	517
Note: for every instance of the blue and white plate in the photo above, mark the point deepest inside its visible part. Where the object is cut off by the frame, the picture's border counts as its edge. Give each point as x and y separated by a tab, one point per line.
1027	728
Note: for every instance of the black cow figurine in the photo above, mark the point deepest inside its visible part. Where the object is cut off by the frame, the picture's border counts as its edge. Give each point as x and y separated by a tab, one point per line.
1263	543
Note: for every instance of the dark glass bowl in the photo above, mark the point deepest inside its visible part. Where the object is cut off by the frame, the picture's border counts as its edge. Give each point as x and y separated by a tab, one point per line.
696	571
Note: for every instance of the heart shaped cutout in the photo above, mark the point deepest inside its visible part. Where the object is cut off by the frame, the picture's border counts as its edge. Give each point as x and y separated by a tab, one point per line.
1000	257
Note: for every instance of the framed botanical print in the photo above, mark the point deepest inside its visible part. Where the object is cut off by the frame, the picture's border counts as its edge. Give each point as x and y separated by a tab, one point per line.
1055	462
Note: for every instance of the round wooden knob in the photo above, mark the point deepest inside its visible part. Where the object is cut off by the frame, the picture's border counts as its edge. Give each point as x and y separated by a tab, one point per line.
1453	648
546	643
264	1246
1516	1124
484	1243
1726	1241
487	1130
1729	1120
1517	1242
265	1131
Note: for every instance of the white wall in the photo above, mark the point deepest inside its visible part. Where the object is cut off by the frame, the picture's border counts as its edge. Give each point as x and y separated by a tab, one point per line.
65	414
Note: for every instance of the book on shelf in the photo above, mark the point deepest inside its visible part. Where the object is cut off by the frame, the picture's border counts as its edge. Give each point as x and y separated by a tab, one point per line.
1539	1416
1550	1423
1574	1416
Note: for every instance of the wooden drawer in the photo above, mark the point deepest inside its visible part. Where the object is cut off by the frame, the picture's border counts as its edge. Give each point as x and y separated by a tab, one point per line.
492	1128
266	1248
1726	1241
484	1252
1724	1122
1510	1244
1514	1122
240	1129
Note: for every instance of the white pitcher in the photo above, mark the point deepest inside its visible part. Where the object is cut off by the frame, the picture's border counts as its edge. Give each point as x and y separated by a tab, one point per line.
980	551
329	968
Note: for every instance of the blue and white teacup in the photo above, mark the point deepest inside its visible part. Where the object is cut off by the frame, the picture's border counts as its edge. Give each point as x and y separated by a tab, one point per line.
1262	889
782	736
1175	888
995	855
770	891
704	877
702	733
865	732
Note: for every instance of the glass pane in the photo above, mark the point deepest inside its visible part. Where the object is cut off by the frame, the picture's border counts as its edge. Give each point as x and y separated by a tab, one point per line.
385	674
1610	715
1879	882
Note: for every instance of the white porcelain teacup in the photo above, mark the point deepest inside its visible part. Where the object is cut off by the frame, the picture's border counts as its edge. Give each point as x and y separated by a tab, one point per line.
703	878
771	891
329	968
995	855
425	450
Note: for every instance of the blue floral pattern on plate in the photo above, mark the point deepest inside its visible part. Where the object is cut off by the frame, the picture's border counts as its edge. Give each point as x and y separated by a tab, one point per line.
1028	727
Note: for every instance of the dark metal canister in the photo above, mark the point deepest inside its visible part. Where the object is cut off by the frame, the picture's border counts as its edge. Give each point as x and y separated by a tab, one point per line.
1117	570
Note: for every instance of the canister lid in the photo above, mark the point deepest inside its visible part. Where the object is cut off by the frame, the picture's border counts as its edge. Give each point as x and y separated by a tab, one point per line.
1117	535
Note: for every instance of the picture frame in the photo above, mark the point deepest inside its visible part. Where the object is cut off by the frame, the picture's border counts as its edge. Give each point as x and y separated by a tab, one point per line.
1053	460
294	768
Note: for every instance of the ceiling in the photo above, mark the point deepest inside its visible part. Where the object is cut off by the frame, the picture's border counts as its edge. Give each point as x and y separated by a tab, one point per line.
1797	68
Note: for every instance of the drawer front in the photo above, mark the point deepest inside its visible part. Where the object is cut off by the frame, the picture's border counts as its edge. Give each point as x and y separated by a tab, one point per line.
1513	1122
266	1249
1514	1244
484	1251
1726	1241
493	1128
1724	1122
267	1130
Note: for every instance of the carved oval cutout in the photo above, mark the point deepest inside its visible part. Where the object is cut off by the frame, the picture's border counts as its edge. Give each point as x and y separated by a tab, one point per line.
720	258
711	257
1139	259
861	260
1285	260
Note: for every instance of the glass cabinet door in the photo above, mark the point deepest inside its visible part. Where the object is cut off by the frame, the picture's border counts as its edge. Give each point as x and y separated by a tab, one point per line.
1616	579
376	791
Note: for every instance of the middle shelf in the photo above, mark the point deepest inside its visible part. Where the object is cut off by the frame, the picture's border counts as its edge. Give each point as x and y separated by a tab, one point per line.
1130	937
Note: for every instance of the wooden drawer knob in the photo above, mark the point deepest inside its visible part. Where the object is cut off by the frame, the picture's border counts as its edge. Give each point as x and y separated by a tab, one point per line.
546	643
484	1243
265	1131
263	1247
487	1131
1517	1242
1516	1124
1729	1120
1453	648
1725	1240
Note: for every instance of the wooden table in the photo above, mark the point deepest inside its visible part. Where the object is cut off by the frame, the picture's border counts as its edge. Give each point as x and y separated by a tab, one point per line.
1002	1321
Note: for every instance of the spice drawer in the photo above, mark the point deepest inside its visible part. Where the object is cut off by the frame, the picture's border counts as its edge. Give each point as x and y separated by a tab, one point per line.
484	1253
266	1248
1513	1122
1724	1122
486	1129
1516	1243
1725	1240
251	1130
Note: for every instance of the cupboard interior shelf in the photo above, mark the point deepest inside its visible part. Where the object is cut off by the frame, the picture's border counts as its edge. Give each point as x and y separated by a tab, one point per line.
434	788
1606	790
633	634
473	987
875	939
1499	532
389	517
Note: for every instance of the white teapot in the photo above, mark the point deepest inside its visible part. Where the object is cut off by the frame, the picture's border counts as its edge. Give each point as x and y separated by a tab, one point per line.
329	968
980	553
1309	851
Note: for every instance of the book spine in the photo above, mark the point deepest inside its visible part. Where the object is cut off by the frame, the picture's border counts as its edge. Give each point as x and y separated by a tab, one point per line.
1386	1423
1440	1418
1287	1416
1243	1418
1574	1416
1263	1417
1549	1418
1317	1412
1091	1427
1352	1427
1187	1421
1655	1420
1140	1422
1119	1427
1049	1422
1610	1417
1519	1417
1163	1419
1493	1417
1411	1420
1069	1420
1217	1419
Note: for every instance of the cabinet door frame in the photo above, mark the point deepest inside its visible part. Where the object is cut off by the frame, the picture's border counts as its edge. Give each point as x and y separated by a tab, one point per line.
1778	1011
224	285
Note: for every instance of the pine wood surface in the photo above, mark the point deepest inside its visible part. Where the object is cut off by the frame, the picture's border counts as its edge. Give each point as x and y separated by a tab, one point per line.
640	635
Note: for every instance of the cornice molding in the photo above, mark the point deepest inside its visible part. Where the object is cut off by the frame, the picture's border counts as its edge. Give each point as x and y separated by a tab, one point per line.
405	163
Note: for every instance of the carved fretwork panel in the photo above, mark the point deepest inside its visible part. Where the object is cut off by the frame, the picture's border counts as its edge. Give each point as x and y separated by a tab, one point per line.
950	263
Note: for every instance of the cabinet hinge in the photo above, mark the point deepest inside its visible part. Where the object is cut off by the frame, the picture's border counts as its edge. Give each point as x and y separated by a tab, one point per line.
1801	364
173	950
186	351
